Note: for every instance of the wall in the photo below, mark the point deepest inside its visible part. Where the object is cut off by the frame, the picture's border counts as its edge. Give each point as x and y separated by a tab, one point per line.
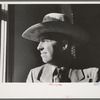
23	54
88	17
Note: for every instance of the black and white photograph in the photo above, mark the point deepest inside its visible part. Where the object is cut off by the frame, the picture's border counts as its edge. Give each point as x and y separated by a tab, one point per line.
50	43
53	43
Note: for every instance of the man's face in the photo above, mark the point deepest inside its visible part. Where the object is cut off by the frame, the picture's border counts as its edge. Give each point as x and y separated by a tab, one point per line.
48	48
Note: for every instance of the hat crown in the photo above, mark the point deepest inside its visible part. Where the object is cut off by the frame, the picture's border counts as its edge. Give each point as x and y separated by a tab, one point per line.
59	23
56	17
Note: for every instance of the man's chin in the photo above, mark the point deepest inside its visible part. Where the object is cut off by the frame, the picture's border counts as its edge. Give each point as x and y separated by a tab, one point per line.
45	61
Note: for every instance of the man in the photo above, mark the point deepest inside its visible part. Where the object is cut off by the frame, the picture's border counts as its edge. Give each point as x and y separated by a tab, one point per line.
57	39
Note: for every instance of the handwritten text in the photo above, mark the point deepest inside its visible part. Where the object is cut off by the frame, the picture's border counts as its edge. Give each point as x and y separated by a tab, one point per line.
52	84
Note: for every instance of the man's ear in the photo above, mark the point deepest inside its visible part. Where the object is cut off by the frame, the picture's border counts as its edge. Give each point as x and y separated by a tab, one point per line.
64	44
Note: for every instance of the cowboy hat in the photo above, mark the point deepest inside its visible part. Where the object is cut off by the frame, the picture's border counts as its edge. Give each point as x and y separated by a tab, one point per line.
59	23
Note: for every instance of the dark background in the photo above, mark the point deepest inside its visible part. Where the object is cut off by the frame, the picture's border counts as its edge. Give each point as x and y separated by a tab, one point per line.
22	54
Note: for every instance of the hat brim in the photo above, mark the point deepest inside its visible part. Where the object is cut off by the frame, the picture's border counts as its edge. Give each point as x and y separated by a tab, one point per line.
78	35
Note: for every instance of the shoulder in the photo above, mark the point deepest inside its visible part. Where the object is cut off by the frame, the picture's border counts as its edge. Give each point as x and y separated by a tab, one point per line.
34	73
38	69
91	70
86	70
88	74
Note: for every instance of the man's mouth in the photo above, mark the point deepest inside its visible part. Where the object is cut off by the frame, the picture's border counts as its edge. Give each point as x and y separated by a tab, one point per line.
43	53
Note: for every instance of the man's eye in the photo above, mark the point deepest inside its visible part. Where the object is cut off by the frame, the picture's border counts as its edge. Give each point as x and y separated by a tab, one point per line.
45	40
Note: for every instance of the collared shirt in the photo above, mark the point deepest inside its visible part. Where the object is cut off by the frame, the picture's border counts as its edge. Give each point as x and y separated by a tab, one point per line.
45	72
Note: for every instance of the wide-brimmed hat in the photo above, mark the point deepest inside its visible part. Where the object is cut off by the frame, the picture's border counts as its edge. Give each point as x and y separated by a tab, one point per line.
59	23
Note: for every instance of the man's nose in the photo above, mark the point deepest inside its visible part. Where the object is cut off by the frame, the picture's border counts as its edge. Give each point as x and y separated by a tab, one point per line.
40	47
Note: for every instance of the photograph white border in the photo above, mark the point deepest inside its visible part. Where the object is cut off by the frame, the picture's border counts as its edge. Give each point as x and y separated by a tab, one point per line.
50	90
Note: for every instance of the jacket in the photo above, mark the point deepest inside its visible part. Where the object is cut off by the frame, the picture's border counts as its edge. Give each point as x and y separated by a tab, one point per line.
44	73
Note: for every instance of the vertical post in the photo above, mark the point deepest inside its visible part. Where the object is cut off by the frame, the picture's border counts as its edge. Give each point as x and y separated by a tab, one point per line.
68	11
4	9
